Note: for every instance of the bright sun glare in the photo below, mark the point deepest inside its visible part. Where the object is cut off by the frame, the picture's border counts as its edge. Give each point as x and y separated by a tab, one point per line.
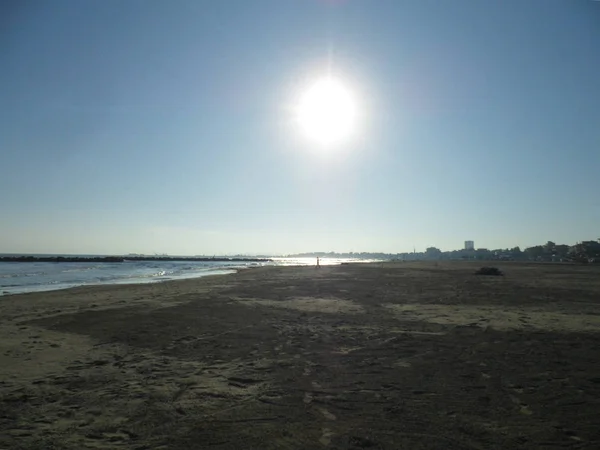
327	112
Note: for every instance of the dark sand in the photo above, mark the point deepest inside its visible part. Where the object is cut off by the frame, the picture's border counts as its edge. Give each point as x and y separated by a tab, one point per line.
390	356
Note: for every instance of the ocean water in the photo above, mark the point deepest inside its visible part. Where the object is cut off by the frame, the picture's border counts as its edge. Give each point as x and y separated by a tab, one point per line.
306	261
20	277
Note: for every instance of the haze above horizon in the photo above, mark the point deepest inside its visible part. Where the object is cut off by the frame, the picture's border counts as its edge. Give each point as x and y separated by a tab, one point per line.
280	127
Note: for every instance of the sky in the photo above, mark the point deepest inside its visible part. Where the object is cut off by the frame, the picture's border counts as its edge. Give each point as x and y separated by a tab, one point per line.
147	126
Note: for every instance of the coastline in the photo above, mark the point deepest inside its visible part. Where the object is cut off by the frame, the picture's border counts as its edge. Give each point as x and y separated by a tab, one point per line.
383	355
115	283
42	276
20	278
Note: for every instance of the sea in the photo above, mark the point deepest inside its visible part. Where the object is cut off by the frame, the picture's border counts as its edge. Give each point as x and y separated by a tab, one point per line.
22	277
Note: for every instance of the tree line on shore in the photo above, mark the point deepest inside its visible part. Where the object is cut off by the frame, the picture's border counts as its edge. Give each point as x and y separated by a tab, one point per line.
584	252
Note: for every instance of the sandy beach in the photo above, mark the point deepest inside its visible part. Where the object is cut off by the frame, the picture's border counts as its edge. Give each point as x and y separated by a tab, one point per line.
377	356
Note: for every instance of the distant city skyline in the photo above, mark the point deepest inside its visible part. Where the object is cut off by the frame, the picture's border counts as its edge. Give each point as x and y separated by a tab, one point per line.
284	126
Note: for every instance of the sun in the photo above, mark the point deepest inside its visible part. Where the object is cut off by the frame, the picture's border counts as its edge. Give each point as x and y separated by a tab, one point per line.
326	112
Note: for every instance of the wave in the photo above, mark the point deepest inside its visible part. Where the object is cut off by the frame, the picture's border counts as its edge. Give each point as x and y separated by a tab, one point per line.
64	275
30	277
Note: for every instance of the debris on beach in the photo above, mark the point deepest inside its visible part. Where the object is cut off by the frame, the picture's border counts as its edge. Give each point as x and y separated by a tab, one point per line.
489	271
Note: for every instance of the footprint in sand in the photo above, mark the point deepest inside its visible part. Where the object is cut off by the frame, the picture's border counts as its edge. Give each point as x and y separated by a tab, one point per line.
573	436
523	407
326	436
402	363
525	410
328	415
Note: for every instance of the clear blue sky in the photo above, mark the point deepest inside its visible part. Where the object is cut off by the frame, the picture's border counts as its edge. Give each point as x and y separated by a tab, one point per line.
164	126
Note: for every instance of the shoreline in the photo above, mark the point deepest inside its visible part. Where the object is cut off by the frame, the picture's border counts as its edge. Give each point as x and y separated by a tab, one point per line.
227	271
32	275
116	283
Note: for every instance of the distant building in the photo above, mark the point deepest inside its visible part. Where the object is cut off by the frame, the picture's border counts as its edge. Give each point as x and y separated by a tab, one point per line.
469	245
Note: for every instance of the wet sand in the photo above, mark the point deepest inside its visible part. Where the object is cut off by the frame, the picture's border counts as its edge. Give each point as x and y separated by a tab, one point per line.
377	356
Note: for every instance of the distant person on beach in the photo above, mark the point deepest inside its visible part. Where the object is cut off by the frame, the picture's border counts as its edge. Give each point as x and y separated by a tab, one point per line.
318	263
